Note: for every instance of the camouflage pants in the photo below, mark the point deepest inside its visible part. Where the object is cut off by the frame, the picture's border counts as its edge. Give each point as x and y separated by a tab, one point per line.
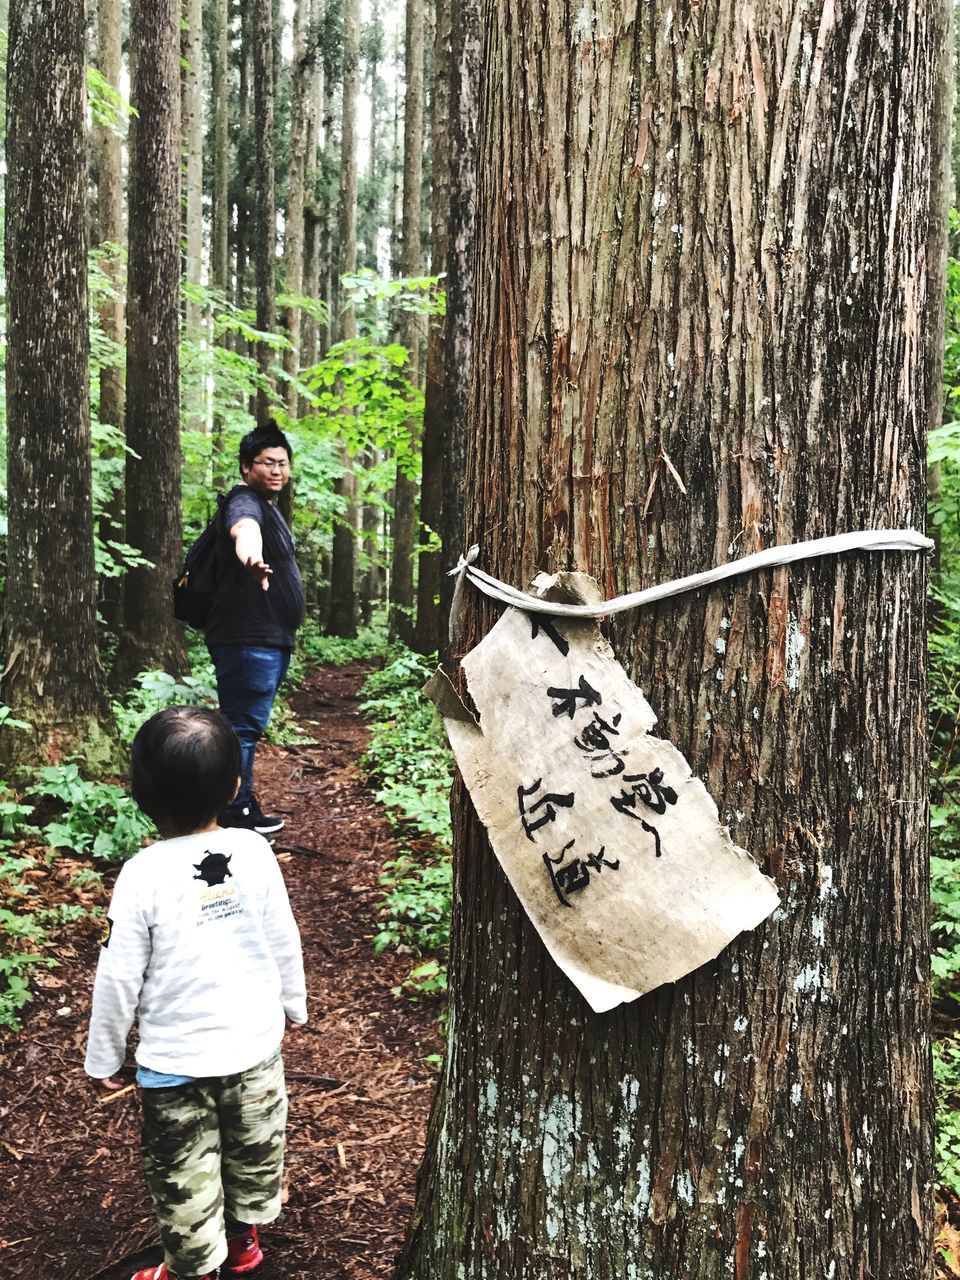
212	1150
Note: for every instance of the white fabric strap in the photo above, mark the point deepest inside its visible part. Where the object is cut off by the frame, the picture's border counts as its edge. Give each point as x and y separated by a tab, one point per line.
866	540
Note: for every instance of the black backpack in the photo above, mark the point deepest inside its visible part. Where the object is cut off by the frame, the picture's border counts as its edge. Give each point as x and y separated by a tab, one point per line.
196	585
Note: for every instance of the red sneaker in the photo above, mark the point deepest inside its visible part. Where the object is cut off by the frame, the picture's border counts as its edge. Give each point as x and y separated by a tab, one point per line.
243	1252
161	1273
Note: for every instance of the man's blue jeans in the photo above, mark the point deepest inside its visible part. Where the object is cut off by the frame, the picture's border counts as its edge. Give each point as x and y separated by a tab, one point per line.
247	681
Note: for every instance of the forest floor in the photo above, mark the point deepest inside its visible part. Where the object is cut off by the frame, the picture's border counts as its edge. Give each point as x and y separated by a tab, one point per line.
360	1085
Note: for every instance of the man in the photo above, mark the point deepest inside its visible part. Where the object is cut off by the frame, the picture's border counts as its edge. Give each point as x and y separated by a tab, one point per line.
257	608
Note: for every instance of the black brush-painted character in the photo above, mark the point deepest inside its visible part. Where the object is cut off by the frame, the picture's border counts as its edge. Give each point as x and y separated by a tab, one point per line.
214	868
650	789
576	874
545	624
568	698
594	742
546	803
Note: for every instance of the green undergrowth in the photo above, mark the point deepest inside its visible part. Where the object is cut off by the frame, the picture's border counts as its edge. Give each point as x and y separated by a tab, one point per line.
411	767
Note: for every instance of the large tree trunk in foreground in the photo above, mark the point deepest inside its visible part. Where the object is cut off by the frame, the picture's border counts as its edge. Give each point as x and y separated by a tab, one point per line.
405	492
52	676
151	636
704	261
343	590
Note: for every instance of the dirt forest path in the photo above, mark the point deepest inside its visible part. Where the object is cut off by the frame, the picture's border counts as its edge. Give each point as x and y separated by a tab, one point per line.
73	1203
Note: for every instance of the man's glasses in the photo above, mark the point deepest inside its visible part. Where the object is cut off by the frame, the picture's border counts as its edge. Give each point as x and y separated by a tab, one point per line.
272	464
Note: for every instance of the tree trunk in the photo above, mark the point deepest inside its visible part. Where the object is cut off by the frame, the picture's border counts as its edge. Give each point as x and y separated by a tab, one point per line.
52	676
246	146
152	637
266	245
293	226
343	593
681	279
110	211
404	512
458	323
428	635
192	125
220	92
110	219
311	216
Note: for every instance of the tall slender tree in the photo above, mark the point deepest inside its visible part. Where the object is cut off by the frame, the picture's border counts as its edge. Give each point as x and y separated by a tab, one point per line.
246	149
428	633
110	202
51	676
405	492
110	209
192	136
293	234
465	34
151	637
343	592
312	212
220	105
261	12
678	277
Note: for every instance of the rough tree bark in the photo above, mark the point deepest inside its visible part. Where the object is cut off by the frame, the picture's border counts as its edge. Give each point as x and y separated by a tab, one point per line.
405	491
428	633
458	322
151	637
52	677
702	258
342	619
265	254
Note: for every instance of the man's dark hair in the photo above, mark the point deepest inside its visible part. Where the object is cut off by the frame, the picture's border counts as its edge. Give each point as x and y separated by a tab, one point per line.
269	436
184	767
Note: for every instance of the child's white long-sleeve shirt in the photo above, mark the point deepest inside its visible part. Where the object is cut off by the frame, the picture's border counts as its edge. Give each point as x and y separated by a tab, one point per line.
202	948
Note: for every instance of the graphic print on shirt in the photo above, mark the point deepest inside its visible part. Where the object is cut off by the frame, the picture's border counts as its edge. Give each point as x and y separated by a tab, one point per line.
219	900
214	868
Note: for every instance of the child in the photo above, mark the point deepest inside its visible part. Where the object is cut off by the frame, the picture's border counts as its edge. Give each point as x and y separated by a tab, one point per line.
202	948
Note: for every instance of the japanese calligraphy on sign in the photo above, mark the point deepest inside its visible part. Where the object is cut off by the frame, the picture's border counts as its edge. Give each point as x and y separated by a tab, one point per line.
615	850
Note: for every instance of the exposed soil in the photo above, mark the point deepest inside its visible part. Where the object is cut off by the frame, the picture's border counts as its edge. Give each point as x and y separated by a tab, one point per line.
73	1203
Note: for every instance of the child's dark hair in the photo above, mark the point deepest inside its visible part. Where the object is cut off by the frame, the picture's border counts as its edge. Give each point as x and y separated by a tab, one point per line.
269	436
184	767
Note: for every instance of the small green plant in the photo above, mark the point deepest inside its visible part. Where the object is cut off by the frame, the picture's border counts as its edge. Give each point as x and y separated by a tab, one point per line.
99	818
14	985
415	904
426	981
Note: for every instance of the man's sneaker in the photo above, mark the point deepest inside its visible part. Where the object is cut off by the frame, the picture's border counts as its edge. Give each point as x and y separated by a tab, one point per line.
243	1252
261	822
161	1273
235	815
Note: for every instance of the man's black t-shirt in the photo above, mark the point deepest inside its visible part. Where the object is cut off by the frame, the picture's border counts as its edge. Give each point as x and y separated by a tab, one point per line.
242	612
